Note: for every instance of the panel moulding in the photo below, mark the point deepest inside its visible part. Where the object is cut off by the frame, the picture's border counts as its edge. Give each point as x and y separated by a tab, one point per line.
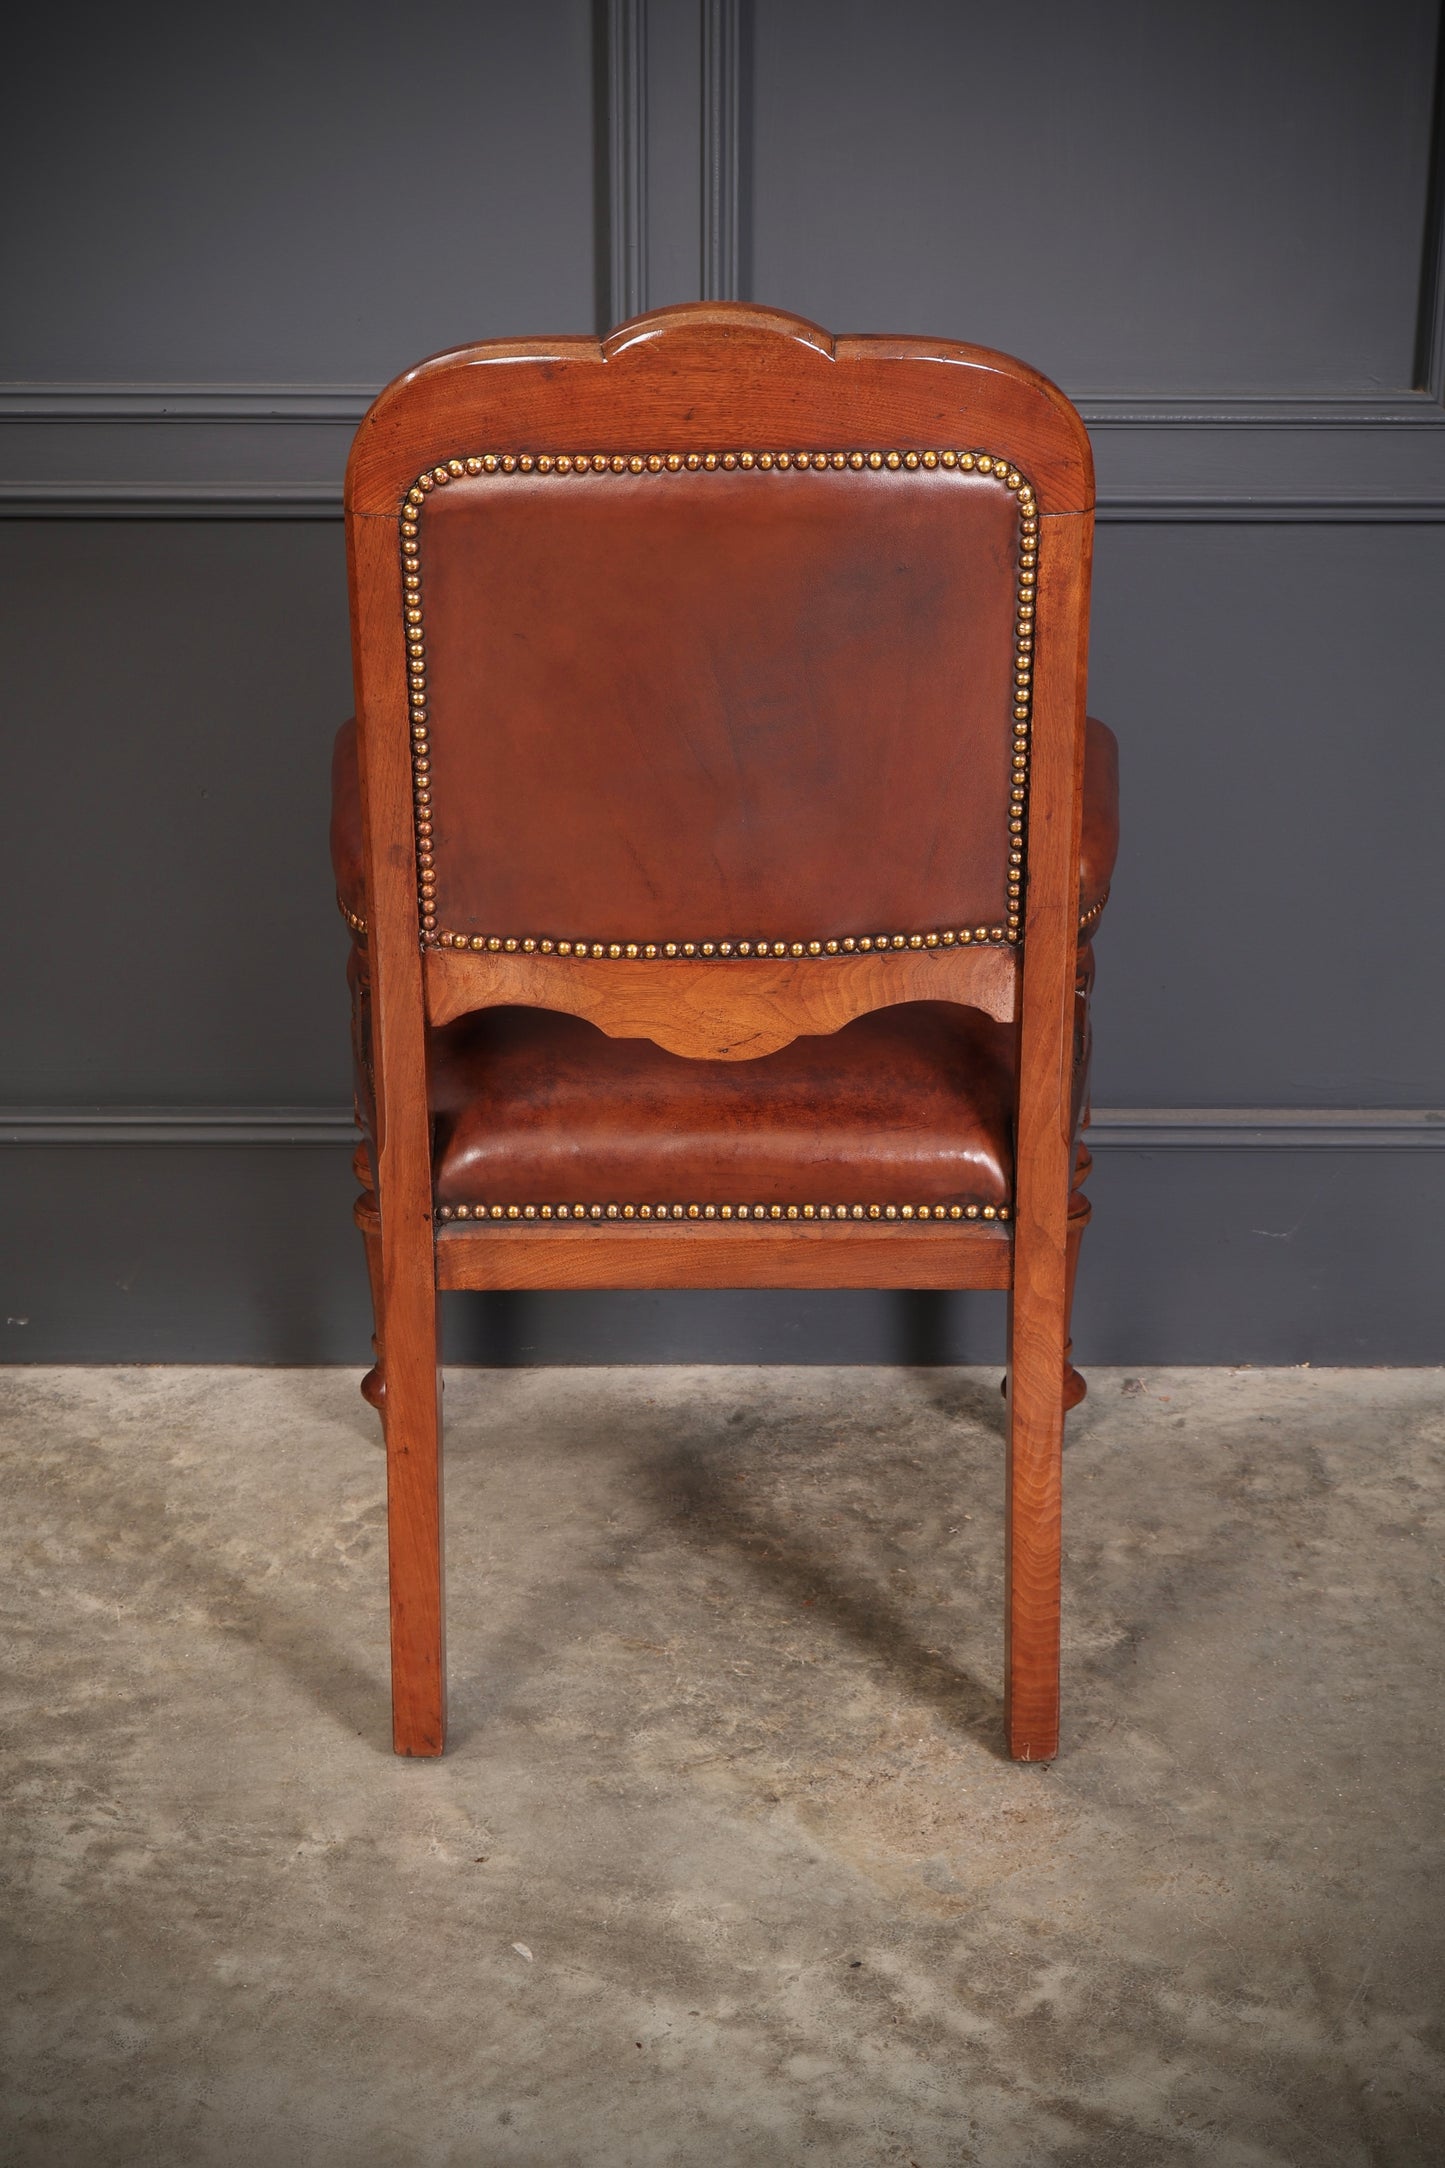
1151	1129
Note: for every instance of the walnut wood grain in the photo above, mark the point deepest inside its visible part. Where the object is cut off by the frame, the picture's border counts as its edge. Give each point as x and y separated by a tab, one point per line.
717	1256
707	377
733	1009
1044	1149
411	1410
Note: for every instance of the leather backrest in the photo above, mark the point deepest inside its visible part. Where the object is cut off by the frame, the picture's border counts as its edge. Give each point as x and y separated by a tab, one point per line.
716	698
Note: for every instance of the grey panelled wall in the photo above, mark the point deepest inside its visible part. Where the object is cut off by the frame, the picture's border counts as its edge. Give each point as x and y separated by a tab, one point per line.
1219	228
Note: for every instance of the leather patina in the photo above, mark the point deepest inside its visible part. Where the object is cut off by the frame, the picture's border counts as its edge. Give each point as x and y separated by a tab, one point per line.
1096	858
909	1105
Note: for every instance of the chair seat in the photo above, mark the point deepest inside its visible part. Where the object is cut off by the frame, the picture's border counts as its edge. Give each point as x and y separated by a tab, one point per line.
907	1109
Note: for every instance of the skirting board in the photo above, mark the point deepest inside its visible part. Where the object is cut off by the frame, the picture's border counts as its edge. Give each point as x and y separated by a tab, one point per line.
1255	1235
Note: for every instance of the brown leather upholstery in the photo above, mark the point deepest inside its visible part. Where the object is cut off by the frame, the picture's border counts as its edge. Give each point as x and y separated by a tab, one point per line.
1099	846
720	704
1096	863
911	1105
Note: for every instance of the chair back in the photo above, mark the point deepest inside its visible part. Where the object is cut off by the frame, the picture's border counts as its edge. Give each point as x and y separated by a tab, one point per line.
712	645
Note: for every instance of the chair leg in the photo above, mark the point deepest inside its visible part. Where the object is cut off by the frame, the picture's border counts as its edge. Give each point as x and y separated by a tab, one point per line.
1080	1212
1034	1501
367	1218
411	1420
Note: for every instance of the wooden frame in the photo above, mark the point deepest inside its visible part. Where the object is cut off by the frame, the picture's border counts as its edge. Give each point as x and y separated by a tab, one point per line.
682	379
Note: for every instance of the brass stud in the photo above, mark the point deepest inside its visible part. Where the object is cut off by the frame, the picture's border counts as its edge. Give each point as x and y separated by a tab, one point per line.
581	462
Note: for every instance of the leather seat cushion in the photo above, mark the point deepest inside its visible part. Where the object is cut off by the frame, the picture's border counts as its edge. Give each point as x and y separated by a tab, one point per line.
1096	858
906	1106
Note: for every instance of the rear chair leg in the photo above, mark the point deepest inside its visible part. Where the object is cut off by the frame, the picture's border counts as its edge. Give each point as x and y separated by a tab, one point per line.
1033	1534
411	1420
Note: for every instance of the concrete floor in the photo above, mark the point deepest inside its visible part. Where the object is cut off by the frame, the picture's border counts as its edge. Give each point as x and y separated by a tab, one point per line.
723	1866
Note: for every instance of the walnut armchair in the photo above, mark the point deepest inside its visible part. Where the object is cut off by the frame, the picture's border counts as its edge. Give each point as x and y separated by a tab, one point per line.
721	837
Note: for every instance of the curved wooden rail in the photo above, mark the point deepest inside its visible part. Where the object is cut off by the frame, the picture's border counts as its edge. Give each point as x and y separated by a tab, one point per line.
720	1010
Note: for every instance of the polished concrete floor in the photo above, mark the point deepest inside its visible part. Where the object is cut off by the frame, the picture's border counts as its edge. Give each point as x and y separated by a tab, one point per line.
723	1866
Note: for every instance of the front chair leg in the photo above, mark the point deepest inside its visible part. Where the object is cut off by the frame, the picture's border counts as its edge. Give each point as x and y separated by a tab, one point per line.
1080	1213
411	1420
368	1219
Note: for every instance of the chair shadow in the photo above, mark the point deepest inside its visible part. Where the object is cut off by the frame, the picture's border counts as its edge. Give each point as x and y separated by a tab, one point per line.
237	1607
705	1513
